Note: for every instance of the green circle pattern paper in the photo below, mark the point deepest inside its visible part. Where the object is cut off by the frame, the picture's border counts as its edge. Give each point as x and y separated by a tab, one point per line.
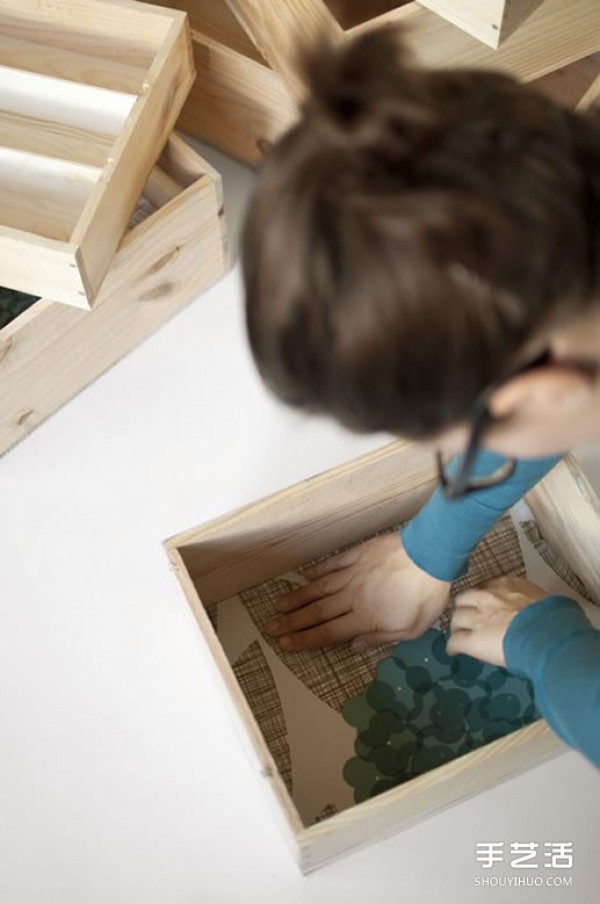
425	708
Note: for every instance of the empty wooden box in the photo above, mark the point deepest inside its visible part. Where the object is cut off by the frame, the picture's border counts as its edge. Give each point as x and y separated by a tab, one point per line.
51	351
315	517
89	93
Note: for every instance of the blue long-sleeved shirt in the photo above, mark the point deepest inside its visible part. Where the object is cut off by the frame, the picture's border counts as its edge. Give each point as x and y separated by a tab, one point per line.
550	642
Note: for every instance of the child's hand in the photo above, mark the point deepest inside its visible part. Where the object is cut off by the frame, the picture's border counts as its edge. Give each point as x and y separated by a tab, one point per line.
370	594
483	614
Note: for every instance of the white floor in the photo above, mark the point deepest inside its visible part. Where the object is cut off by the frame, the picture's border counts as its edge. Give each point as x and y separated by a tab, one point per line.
121	778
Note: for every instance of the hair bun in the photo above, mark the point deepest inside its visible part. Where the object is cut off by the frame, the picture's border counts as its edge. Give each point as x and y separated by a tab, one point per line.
365	93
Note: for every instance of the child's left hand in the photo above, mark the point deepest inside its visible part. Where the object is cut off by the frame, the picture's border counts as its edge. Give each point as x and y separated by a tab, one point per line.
483	614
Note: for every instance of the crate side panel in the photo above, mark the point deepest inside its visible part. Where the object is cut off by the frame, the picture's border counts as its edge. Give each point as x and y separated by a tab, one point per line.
56	266
481	20
308	520
217	24
70	65
239	105
571	85
106	28
568	514
445	786
245	725
281	31
106	216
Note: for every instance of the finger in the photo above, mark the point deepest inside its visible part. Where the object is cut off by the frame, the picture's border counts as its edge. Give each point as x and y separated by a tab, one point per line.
309	593
330	633
461	641
469	598
370	641
322	610
464	617
332	564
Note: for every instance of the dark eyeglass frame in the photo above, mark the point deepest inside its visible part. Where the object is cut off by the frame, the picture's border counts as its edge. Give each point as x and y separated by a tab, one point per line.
463	482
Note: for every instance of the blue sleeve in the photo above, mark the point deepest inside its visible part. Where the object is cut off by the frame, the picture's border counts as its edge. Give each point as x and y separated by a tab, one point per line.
443	535
553	644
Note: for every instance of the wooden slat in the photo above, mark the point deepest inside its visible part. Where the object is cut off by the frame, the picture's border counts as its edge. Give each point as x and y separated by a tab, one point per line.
42	196
30	134
67	103
116	74
106	28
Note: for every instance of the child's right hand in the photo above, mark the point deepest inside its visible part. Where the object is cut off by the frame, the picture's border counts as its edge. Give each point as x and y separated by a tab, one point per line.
371	594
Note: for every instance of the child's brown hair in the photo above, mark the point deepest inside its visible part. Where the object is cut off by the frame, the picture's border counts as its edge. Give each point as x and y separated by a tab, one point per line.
412	234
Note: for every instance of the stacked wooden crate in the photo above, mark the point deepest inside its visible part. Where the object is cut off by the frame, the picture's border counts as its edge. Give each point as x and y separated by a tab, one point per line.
89	93
244	97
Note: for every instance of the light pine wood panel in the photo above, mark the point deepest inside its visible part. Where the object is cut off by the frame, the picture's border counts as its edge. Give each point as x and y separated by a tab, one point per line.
30	134
52	351
238	104
570	84
591	96
216	23
350	13
71	65
568	513
280	30
106	28
67	103
490	22
292	527
43	196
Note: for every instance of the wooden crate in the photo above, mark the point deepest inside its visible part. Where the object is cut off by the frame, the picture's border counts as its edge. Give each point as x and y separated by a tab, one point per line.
315	517
90	92
237	103
490	22
52	351
553	35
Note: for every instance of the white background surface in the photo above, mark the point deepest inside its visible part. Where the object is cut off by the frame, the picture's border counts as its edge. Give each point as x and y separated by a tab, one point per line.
121	778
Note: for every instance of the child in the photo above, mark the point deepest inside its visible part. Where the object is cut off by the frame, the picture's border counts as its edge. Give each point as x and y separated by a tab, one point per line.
422	257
